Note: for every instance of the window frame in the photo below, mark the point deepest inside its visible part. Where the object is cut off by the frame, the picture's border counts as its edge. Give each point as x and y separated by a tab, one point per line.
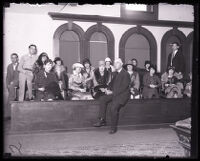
139	15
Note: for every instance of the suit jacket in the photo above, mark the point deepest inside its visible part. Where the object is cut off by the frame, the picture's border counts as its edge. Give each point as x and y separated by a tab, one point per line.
12	75
120	87
178	62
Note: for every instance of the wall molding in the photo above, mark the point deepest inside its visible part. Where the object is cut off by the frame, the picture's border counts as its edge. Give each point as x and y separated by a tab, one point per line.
118	20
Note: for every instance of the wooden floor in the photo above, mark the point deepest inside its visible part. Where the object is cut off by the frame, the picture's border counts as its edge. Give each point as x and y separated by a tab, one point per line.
159	142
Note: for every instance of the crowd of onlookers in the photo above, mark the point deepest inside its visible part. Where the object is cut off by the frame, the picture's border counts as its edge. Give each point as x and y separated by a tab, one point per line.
45	79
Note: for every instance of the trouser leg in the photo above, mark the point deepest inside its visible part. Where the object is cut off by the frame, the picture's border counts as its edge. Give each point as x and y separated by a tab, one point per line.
11	93
29	85
22	81
114	111
104	100
39	95
11	97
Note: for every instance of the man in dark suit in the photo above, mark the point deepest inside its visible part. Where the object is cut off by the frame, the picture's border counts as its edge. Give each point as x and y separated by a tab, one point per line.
12	77
176	59
118	94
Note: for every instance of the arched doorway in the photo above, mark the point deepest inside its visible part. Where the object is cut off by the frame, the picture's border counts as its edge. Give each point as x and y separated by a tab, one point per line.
168	38
100	37
137	46
138	43
69	44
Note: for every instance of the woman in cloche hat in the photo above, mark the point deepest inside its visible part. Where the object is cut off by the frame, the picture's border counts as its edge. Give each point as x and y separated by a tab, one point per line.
77	83
171	83
135	81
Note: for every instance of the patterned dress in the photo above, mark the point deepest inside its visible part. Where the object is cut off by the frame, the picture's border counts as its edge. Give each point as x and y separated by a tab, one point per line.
77	87
172	86
89	75
100	81
135	84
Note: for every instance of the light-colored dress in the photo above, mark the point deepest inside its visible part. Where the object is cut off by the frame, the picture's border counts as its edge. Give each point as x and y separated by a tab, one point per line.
134	85
188	89
174	87
77	86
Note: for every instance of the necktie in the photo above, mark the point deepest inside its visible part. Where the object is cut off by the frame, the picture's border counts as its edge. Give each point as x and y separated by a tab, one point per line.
45	74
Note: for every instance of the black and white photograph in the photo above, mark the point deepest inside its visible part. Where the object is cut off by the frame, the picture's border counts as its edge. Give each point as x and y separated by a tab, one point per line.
98	80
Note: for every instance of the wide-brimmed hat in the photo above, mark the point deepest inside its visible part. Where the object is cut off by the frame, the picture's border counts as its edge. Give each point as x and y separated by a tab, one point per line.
128	63
175	43
147	62
171	67
78	64
152	66
58	59
86	60
44	54
108	59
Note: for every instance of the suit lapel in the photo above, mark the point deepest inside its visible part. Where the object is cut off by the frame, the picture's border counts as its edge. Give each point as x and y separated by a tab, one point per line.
11	69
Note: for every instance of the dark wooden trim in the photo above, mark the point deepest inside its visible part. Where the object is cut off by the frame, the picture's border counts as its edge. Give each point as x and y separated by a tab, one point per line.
147	34
189	40
109	35
68	115
66	27
173	32
118	20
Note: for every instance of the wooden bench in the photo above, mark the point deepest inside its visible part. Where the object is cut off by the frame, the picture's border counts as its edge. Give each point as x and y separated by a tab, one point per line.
36	116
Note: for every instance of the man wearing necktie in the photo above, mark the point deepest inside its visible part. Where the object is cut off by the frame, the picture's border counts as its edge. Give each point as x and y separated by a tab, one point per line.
12	80
176	59
12	77
117	94
25	72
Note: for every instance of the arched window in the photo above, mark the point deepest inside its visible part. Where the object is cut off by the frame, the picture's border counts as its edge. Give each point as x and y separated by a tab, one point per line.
98	48
137	46
169	37
99	43
69	44
138	43
189	52
69	48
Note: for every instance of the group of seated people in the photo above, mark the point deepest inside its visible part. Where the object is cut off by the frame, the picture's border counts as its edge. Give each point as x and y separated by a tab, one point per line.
52	81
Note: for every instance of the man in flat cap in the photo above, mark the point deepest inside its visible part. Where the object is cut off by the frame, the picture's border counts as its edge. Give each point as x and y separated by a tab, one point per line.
176	59
117	94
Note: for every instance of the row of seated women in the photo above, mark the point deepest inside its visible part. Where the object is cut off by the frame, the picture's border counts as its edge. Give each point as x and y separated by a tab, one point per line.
52	81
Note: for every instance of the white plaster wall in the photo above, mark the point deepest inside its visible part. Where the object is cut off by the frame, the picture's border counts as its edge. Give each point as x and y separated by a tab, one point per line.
176	12
20	30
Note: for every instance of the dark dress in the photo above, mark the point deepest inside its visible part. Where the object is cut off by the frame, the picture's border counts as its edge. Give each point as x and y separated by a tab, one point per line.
50	83
102	82
149	92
